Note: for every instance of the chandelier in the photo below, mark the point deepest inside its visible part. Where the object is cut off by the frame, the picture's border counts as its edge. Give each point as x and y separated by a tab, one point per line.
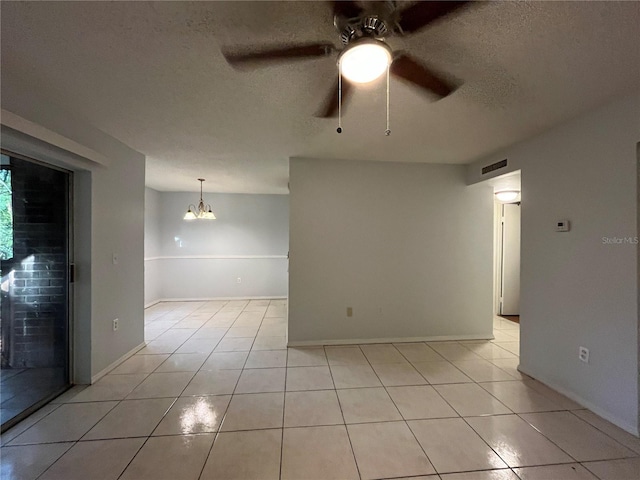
202	211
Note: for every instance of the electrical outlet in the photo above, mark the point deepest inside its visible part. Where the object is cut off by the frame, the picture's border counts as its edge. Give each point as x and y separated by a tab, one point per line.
114	258
583	354
238	280
349	312
115	324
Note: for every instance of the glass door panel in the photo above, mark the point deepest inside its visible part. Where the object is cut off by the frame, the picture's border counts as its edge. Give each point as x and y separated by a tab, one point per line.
34	288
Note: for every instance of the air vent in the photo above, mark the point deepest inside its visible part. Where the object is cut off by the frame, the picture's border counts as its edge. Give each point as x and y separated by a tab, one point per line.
494	166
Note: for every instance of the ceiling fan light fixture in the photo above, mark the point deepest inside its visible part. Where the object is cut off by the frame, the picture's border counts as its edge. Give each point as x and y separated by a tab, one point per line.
365	60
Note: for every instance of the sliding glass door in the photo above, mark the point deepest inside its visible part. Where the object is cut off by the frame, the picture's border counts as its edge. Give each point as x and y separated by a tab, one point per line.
34	288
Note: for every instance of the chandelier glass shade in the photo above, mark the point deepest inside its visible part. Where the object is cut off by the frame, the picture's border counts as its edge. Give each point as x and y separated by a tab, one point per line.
202	211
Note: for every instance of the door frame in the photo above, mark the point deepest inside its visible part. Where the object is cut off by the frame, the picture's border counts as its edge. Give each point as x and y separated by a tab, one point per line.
70	290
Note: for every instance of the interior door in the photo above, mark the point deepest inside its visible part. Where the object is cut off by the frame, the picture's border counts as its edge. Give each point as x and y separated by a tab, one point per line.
510	285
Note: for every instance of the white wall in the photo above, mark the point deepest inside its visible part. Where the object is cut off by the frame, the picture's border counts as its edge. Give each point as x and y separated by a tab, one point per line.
407	246
575	290
204	259
152	249
108	219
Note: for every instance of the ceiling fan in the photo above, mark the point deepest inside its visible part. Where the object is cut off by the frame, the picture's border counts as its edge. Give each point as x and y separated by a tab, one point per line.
366	56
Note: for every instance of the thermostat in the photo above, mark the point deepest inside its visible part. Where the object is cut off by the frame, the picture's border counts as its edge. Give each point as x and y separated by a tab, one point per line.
562	226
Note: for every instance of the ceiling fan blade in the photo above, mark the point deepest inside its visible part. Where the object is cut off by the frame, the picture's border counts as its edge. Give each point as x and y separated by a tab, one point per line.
423	13
346	9
330	107
278	54
409	69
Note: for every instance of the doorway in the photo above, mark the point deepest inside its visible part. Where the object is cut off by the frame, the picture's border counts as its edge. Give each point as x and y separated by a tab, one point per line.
509	282
35	285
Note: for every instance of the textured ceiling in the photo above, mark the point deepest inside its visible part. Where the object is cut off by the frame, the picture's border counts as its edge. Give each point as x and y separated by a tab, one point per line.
151	75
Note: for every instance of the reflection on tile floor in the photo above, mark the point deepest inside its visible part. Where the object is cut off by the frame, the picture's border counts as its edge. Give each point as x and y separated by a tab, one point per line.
216	394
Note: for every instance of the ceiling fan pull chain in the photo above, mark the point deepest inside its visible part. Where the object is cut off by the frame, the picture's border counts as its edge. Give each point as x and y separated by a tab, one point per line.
387	132
339	130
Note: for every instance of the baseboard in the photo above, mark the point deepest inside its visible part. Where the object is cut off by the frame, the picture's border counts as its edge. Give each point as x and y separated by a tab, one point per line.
124	357
209	299
632	429
151	304
355	341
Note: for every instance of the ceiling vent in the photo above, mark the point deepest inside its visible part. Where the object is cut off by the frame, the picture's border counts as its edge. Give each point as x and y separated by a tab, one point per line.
494	166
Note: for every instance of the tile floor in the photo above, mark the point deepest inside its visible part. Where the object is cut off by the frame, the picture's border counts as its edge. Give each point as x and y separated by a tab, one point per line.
216	394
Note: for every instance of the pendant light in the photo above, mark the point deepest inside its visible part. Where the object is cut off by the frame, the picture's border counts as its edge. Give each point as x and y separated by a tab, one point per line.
202	211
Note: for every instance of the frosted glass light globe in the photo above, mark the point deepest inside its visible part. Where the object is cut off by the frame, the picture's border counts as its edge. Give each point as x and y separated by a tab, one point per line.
365	60
507	195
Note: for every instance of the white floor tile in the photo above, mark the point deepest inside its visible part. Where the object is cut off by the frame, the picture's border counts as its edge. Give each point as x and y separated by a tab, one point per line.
254	411
354	376
517	442
182	362
158	385
385	450
172	457
194	415
504	474
395	374
252	455
140	364
420	402
576	437
625	469
468	399
453	446
213	382
570	471
225	361
269	343
384	353
29	461
261	380
482	371
625	438
110	387
309	378
131	418
307	409
234	345
453	351
318	453
519	397
306	357
441	372
103	459
345	356
418	352
267	359
69	422
367	405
